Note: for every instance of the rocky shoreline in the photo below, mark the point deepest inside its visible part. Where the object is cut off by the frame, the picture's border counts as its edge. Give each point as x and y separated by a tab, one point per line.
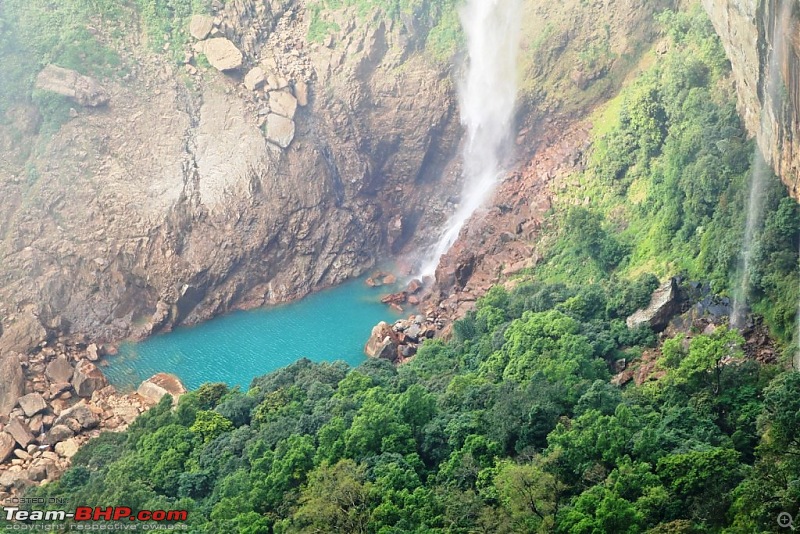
53	399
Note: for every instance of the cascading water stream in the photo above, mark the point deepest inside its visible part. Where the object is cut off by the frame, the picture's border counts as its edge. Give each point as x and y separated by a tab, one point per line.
487	96
761	170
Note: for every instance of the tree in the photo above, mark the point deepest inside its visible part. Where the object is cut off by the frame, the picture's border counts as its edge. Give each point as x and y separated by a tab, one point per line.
208	425
336	499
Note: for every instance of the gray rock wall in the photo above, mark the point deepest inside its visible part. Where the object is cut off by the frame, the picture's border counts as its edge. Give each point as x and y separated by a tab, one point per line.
750	31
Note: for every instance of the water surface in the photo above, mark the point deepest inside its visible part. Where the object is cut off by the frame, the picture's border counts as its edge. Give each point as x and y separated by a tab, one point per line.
330	325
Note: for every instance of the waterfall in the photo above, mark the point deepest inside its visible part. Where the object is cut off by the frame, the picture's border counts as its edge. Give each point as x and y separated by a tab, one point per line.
761	170
487	95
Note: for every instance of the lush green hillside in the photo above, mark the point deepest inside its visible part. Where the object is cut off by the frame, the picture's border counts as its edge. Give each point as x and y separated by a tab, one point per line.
513	426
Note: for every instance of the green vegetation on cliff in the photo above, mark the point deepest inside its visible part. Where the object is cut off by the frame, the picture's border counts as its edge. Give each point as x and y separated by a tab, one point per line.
513	426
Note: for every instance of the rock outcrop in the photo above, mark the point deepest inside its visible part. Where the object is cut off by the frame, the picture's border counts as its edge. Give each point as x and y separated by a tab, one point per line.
752	30
664	304
84	90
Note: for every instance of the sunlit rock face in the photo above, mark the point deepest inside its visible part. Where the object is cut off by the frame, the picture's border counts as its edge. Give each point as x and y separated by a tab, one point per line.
752	30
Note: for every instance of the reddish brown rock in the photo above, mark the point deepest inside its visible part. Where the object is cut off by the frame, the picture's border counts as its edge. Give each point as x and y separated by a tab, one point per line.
414	286
395	298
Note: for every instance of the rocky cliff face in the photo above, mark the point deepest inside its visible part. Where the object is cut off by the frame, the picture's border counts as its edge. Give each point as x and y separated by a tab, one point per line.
191	191
752	30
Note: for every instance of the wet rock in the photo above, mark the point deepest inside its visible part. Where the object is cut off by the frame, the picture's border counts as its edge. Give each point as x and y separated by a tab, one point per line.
255	78
200	26
20	432
79	413
32	404
279	130
12	383
283	103
155	387
58	434
414	286
84	90
7	445
465	265
664	304
395	298
59	370
389	279
87	379
222	54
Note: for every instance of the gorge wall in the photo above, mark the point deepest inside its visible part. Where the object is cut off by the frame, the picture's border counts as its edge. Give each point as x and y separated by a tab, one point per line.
193	191
176	192
750	30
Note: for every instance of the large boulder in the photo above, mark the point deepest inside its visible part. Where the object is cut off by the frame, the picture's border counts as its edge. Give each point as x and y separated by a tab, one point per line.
20	432
23	334
7	446
58	434
383	343
155	387
200	26
664	304
222	54
84	90
87	379
279	130
67	448
255	78
32	403
80	413
283	103
59	370
12	383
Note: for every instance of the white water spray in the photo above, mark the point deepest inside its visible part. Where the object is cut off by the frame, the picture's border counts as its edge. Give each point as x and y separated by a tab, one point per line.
761	170
487	97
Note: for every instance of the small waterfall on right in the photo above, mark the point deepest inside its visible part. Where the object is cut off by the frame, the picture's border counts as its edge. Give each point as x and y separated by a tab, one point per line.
761	169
